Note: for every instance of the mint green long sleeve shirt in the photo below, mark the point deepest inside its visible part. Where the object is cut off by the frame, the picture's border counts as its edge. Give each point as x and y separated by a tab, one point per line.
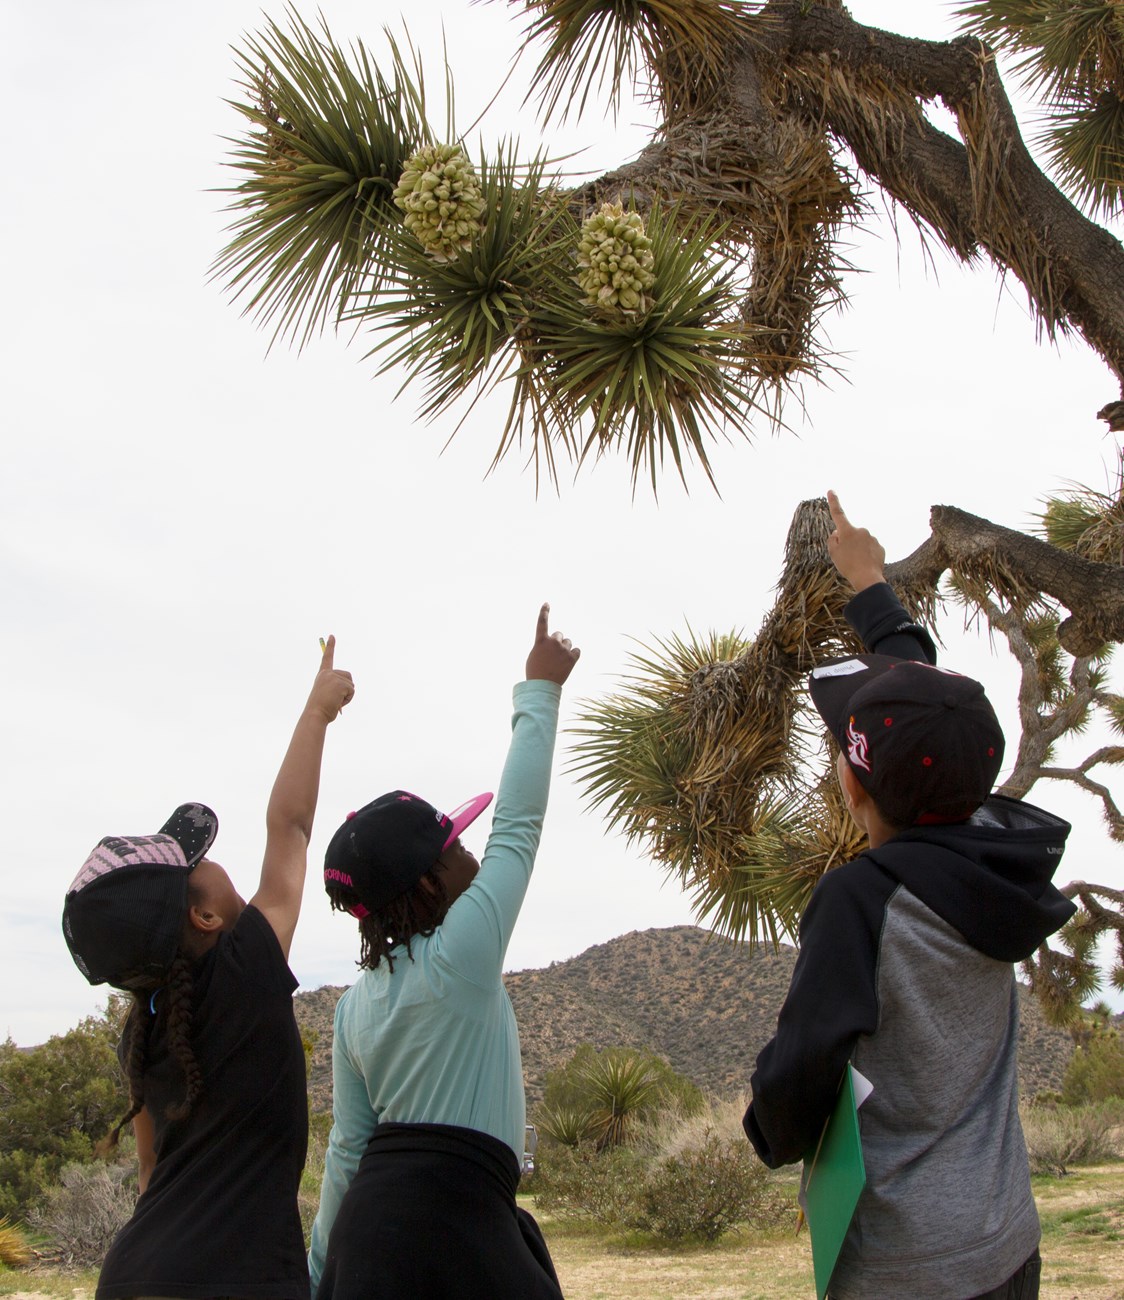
436	1041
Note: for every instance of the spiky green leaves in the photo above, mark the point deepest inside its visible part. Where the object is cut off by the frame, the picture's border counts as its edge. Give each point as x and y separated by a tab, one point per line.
615	260
657	384
1072	52
595	44
457	323
441	197
656	379
326	144
683	762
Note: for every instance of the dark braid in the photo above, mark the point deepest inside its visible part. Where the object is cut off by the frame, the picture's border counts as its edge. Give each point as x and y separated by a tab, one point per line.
173	1001
416	913
178	996
135	1033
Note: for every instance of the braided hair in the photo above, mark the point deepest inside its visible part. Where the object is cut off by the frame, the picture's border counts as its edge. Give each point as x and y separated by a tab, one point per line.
171	1000
413	914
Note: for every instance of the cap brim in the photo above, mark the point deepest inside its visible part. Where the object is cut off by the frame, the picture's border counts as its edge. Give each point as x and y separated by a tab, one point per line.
835	682
193	826
465	815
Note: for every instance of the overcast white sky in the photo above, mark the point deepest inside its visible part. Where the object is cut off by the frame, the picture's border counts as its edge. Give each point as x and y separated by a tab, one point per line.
182	515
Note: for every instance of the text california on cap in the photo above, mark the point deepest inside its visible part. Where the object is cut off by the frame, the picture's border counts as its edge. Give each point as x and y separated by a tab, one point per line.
924	742
386	847
124	912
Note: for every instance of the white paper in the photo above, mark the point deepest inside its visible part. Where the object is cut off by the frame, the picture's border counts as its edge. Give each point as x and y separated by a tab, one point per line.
862	1086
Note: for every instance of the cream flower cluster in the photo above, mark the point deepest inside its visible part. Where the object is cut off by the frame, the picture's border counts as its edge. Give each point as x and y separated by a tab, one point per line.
440	195
615	260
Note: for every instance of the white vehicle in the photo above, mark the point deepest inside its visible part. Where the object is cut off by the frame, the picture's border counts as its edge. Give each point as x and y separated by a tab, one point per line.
530	1144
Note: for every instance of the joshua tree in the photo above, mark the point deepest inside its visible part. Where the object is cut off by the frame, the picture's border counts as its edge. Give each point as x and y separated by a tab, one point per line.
680	294
711	757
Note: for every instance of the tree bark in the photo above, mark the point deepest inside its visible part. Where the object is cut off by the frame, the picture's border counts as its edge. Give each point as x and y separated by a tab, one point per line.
865	88
1024	566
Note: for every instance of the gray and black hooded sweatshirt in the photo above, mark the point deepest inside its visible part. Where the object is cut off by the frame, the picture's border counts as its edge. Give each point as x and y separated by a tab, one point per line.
905	969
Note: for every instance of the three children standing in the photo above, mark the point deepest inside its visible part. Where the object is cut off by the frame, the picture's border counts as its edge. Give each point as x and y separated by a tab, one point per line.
905	969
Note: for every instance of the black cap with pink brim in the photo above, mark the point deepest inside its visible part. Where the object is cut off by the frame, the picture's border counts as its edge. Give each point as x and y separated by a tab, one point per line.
386	847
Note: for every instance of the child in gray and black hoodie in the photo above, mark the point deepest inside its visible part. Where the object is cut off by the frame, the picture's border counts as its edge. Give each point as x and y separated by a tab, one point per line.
905	968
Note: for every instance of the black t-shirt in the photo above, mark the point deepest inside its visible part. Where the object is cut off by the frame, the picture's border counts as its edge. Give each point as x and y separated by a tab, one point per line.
219	1217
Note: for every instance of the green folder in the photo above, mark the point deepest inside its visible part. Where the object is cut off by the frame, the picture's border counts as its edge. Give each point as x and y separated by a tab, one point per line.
834	1177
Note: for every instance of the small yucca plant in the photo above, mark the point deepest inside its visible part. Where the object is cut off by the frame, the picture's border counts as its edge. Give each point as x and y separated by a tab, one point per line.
620	1089
14	1250
569	1126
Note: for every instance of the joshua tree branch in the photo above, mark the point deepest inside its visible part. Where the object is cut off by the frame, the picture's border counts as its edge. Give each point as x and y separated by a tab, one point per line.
1020	569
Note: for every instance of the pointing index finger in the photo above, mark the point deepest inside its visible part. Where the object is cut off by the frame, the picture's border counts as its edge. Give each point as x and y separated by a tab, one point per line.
542	627
838	518
329	657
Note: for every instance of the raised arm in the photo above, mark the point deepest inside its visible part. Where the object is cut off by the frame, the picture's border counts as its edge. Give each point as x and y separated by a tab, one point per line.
474	936
292	804
875	613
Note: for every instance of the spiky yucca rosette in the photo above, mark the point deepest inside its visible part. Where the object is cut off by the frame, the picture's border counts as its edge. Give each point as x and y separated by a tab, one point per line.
705	758
440	194
615	260
313	201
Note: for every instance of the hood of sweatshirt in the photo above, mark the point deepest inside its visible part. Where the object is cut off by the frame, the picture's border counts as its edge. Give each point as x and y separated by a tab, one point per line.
990	877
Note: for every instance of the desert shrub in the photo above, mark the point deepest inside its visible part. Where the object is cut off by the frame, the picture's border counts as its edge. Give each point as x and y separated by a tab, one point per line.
1058	1137
14	1250
669	1132
583	1183
686	1177
568	1085
86	1209
1095	1071
703	1192
58	1100
308	1194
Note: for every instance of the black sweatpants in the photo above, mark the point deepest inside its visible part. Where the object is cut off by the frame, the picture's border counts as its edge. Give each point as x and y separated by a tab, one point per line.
431	1215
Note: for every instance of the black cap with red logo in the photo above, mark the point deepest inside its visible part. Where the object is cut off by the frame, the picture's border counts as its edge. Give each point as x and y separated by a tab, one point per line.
924	742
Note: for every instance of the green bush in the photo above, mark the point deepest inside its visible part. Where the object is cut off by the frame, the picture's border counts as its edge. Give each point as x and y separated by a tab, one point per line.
680	1182
1096	1071
583	1183
56	1101
1058	1137
308	1195
705	1192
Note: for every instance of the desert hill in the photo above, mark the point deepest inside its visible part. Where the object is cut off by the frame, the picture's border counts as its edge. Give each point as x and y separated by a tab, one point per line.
706	1004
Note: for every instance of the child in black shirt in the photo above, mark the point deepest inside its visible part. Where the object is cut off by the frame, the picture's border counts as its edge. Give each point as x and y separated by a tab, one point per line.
211	1049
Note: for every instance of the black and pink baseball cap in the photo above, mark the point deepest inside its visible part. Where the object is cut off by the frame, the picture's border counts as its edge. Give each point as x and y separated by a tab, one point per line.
124	912
386	847
924	742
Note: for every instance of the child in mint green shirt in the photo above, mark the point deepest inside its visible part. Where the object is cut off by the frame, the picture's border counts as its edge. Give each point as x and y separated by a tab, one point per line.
428	1109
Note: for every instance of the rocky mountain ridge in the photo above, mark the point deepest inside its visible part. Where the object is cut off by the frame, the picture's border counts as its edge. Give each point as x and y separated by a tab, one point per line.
704	1003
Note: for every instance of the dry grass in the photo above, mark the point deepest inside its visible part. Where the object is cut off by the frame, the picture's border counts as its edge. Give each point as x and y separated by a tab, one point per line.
1083	1231
1082	1222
